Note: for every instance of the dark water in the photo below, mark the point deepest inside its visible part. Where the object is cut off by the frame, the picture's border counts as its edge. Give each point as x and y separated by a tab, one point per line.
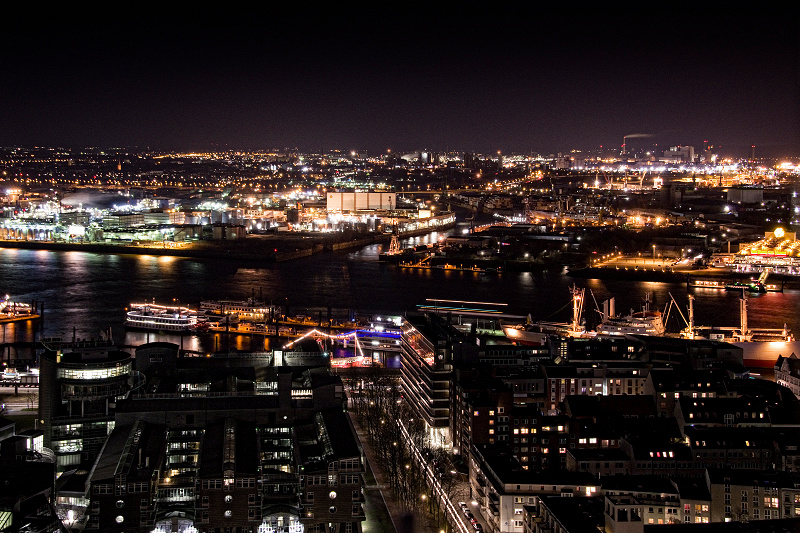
88	292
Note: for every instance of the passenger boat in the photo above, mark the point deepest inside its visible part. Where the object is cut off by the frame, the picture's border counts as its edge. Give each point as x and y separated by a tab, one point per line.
250	309
707	283
161	318
644	322
753	286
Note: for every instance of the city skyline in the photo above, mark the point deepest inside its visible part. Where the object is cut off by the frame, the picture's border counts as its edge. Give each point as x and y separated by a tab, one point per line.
408	78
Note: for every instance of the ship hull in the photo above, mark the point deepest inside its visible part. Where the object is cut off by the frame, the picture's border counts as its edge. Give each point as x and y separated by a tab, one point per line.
167	328
525	337
764	354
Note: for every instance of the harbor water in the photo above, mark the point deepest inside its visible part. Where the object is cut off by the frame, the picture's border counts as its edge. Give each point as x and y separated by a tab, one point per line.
85	294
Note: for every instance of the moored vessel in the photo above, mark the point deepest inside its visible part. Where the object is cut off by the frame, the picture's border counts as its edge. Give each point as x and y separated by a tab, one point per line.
250	309
155	317
536	333
11	311
761	347
644	322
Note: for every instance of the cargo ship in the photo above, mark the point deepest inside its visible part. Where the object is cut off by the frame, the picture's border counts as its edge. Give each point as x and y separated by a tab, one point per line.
536	333
644	322
760	346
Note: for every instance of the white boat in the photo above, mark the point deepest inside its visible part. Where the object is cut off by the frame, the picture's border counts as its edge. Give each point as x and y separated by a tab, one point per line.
161	318
644	322
249	309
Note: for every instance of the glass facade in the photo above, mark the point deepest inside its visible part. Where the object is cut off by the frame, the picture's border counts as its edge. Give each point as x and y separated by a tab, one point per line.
120	369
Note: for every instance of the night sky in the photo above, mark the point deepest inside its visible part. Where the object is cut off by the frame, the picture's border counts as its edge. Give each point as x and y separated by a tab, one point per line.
355	76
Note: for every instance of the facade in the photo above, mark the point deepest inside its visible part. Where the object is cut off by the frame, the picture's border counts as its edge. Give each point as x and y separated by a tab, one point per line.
787	373
79	387
359	201
219	444
679	154
565	515
654	500
753	495
27	485
429	346
123	220
503	488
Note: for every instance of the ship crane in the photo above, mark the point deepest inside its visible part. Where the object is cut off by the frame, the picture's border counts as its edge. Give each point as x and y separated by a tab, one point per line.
745	331
689	331
577	310
425	261
394	245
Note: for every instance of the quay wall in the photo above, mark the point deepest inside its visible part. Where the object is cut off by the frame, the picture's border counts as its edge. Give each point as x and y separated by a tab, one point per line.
251	250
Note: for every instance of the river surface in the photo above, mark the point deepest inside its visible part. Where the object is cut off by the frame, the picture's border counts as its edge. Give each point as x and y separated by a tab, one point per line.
86	293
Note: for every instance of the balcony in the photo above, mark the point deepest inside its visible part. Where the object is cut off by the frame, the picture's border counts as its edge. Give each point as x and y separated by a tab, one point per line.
75	390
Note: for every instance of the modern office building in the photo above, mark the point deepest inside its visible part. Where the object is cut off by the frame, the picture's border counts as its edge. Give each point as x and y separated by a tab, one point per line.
79	387
430	345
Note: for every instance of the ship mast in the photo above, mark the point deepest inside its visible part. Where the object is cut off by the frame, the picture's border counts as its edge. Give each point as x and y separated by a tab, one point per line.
577	308
691	317
743	315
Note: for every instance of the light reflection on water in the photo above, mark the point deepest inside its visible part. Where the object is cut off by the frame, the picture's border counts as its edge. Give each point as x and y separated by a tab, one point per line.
89	292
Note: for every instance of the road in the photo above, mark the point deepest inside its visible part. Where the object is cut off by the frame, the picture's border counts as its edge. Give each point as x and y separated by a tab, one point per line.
20	403
460	493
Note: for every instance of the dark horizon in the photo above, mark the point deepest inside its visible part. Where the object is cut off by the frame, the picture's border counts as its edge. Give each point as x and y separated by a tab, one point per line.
408	78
